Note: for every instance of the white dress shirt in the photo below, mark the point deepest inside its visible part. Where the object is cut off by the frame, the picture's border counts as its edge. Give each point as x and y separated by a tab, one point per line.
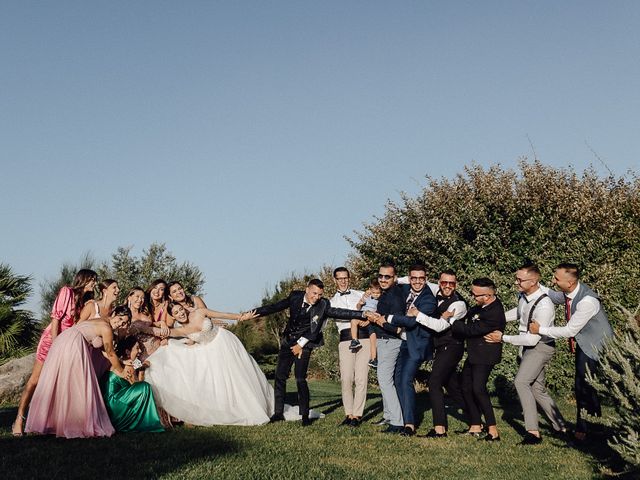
584	311
348	301
544	314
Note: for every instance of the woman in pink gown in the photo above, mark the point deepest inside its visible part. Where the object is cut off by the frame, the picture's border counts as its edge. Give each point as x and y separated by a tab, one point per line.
67	401
64	314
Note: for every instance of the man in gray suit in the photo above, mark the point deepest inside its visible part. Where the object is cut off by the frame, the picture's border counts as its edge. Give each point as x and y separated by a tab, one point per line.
535	352
587	328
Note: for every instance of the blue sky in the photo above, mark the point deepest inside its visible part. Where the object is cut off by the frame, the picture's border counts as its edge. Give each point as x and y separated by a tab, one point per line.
251	137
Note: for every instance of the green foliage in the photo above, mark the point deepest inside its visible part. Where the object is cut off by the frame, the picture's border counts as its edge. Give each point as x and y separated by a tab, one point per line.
487	222
17	326
155	262
128	270
617	381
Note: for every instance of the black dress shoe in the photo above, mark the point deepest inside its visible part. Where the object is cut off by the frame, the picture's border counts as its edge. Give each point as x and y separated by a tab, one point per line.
381	423
490	438
306	421
408	432
346	421
276	417
531	439
356	422
393	429
433	434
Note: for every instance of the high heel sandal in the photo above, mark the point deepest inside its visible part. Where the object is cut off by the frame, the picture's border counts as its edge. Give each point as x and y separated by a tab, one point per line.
13	426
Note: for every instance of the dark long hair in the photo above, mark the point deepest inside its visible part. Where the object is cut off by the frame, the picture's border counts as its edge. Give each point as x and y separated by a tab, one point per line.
187	298
147	296
81	297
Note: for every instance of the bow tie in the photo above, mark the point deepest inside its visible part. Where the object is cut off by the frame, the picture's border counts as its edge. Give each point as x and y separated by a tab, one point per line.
305	305
345	293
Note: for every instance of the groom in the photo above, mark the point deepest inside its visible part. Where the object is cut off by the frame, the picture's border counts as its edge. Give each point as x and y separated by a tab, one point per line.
308	313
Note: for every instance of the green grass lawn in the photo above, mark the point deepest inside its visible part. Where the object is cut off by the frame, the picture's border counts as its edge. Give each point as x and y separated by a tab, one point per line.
321	451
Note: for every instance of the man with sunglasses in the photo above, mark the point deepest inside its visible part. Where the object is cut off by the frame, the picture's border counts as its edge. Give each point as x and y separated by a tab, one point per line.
485	317
392	301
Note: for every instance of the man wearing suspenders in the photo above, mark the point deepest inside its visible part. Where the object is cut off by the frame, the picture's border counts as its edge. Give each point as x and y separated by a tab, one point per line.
536	352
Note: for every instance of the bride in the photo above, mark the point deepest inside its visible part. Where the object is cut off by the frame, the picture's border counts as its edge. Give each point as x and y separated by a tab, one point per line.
208	378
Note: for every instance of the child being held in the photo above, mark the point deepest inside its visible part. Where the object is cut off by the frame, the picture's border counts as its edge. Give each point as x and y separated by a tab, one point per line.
368	303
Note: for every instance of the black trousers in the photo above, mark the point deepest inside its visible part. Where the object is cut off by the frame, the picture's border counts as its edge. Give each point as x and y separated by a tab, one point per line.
475	394
443	374
285	360
586	396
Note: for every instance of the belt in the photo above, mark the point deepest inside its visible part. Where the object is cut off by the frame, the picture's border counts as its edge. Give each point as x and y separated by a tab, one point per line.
345	334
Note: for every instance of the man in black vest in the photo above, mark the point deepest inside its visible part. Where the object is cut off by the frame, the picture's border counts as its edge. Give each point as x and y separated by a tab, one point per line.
308	313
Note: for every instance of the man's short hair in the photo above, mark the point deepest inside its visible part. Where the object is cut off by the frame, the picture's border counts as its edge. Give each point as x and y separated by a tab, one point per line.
389	265
448	272
571	268
530	267
317	282
341	269
418	267
484	282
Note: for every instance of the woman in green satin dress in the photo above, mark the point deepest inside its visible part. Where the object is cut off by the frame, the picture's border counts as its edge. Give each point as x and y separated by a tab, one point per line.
131	407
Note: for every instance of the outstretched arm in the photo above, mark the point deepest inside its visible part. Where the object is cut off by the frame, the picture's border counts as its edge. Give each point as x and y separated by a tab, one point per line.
274	307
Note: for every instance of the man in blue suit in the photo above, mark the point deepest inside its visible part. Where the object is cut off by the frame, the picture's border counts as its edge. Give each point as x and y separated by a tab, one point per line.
416	344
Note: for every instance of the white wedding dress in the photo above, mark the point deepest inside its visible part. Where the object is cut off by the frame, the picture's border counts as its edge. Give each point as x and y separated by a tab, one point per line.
214	382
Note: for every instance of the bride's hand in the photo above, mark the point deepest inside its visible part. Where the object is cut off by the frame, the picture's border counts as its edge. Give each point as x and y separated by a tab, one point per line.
248	315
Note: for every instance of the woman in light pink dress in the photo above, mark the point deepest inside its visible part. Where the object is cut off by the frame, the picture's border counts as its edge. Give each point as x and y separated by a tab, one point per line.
67	401
64	314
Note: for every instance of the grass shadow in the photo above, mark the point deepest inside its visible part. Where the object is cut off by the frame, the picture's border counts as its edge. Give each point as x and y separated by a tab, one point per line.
130	455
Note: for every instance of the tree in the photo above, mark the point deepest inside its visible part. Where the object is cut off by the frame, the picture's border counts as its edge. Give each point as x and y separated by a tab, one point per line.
155	262
129	271
16	325
617	381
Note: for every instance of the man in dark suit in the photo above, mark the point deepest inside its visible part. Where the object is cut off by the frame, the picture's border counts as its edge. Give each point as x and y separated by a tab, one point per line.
486	316
308	313
416	344
391	302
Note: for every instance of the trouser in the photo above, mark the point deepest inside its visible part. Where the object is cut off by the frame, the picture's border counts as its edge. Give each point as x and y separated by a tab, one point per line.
388	350
354	369
285	359
586	396
443	374
404	376
475	394
529	383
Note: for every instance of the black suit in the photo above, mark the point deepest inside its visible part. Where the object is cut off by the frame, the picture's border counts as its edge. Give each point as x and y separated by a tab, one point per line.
481	357
302	324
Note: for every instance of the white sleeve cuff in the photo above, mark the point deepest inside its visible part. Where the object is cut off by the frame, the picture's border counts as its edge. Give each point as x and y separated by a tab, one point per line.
302	341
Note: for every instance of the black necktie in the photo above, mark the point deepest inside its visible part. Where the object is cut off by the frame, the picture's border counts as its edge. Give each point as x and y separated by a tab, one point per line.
305	306
345	293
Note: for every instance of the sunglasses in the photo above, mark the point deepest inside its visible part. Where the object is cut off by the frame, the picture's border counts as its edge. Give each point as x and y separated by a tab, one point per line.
385	277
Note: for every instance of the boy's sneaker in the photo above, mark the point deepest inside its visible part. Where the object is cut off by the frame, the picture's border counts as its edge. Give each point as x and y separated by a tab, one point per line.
355	345
373	363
